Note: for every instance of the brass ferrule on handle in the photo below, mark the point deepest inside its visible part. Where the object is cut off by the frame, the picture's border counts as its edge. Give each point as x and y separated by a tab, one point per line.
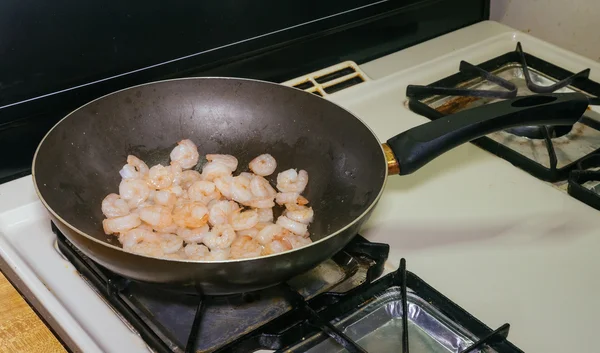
392	162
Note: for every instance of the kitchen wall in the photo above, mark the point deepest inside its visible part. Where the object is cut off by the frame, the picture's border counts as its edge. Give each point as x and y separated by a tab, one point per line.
573	24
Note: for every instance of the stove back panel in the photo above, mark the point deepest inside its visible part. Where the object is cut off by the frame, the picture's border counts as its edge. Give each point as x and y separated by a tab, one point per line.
57	56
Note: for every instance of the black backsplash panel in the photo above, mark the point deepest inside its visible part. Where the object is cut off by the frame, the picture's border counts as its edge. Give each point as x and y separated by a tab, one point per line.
68	45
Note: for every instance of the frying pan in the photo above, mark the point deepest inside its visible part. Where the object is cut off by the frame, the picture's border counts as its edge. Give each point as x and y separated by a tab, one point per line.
76	164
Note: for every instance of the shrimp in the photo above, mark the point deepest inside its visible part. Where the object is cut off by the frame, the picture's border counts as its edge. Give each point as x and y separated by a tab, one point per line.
266	235
156	216
170	243
261	204
114	206
279	244
245	247
292	226
203	191
165	198
240	189
137	235
252	232
265	214
161	177
121	224
172	228
220	237
243	220
292	181
223	184
196	251
134	169
134	191
185	154
225	159
195	235
299	213
190	214
263	165
212	170
188	177
290	197
219	254
220	210
261	188
297	241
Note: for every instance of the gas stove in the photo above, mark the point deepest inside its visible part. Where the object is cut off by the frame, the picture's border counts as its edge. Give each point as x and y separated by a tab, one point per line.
485	242
338	306
548	152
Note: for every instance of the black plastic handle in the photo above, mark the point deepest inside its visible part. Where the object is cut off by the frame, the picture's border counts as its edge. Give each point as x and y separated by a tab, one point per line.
418	146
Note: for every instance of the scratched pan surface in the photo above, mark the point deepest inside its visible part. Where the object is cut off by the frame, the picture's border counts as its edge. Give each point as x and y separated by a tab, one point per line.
77	164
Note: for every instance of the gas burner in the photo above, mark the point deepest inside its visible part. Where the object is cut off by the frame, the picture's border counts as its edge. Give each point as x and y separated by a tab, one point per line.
353	313
540	132
547	152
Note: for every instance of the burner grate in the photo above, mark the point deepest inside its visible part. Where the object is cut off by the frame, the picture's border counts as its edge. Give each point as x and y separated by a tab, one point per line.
451	86
303	319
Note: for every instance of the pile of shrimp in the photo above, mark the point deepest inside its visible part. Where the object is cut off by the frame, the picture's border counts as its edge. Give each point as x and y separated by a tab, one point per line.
176	212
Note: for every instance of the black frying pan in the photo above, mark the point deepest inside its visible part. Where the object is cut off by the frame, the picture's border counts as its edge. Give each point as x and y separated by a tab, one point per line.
77	163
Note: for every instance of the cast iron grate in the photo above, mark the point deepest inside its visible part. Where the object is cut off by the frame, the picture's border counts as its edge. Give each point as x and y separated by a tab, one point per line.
306	317
449	86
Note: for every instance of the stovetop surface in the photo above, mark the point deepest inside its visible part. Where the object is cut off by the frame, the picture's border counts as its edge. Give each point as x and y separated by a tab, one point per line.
469	223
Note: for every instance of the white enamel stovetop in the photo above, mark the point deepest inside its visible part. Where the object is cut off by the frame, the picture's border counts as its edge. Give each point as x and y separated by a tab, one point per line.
504	245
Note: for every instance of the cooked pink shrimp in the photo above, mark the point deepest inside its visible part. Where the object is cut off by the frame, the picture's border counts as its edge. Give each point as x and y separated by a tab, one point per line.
134	191
190	214
219	254
220	210
265	214
292	226
185	154
121	224
114	206
292	181
160	177
165	198
194	235
156	216
188	177
261	189
134	169
245	247
170	243
266	235
252	232
279	244
137	235
260	204
299	213
240	189
220	237
203	191
223	184
263	165
212	170
196	252
172	228
227	160
297	241
243	220
290	197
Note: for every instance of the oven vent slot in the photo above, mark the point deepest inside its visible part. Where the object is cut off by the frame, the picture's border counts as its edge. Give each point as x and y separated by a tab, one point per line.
330	80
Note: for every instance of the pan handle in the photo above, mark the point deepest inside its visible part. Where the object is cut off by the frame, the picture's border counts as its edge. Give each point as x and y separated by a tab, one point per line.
416	147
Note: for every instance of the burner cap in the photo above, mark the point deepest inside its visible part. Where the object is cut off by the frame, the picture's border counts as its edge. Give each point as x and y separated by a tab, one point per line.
537	132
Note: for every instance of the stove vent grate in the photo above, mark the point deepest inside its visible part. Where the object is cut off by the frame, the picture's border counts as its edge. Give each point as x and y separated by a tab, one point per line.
330	80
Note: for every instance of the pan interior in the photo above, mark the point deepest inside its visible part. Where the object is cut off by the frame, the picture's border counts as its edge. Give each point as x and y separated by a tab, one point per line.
78	162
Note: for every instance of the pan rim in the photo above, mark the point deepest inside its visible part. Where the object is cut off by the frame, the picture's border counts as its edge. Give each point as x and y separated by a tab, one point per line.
258	258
